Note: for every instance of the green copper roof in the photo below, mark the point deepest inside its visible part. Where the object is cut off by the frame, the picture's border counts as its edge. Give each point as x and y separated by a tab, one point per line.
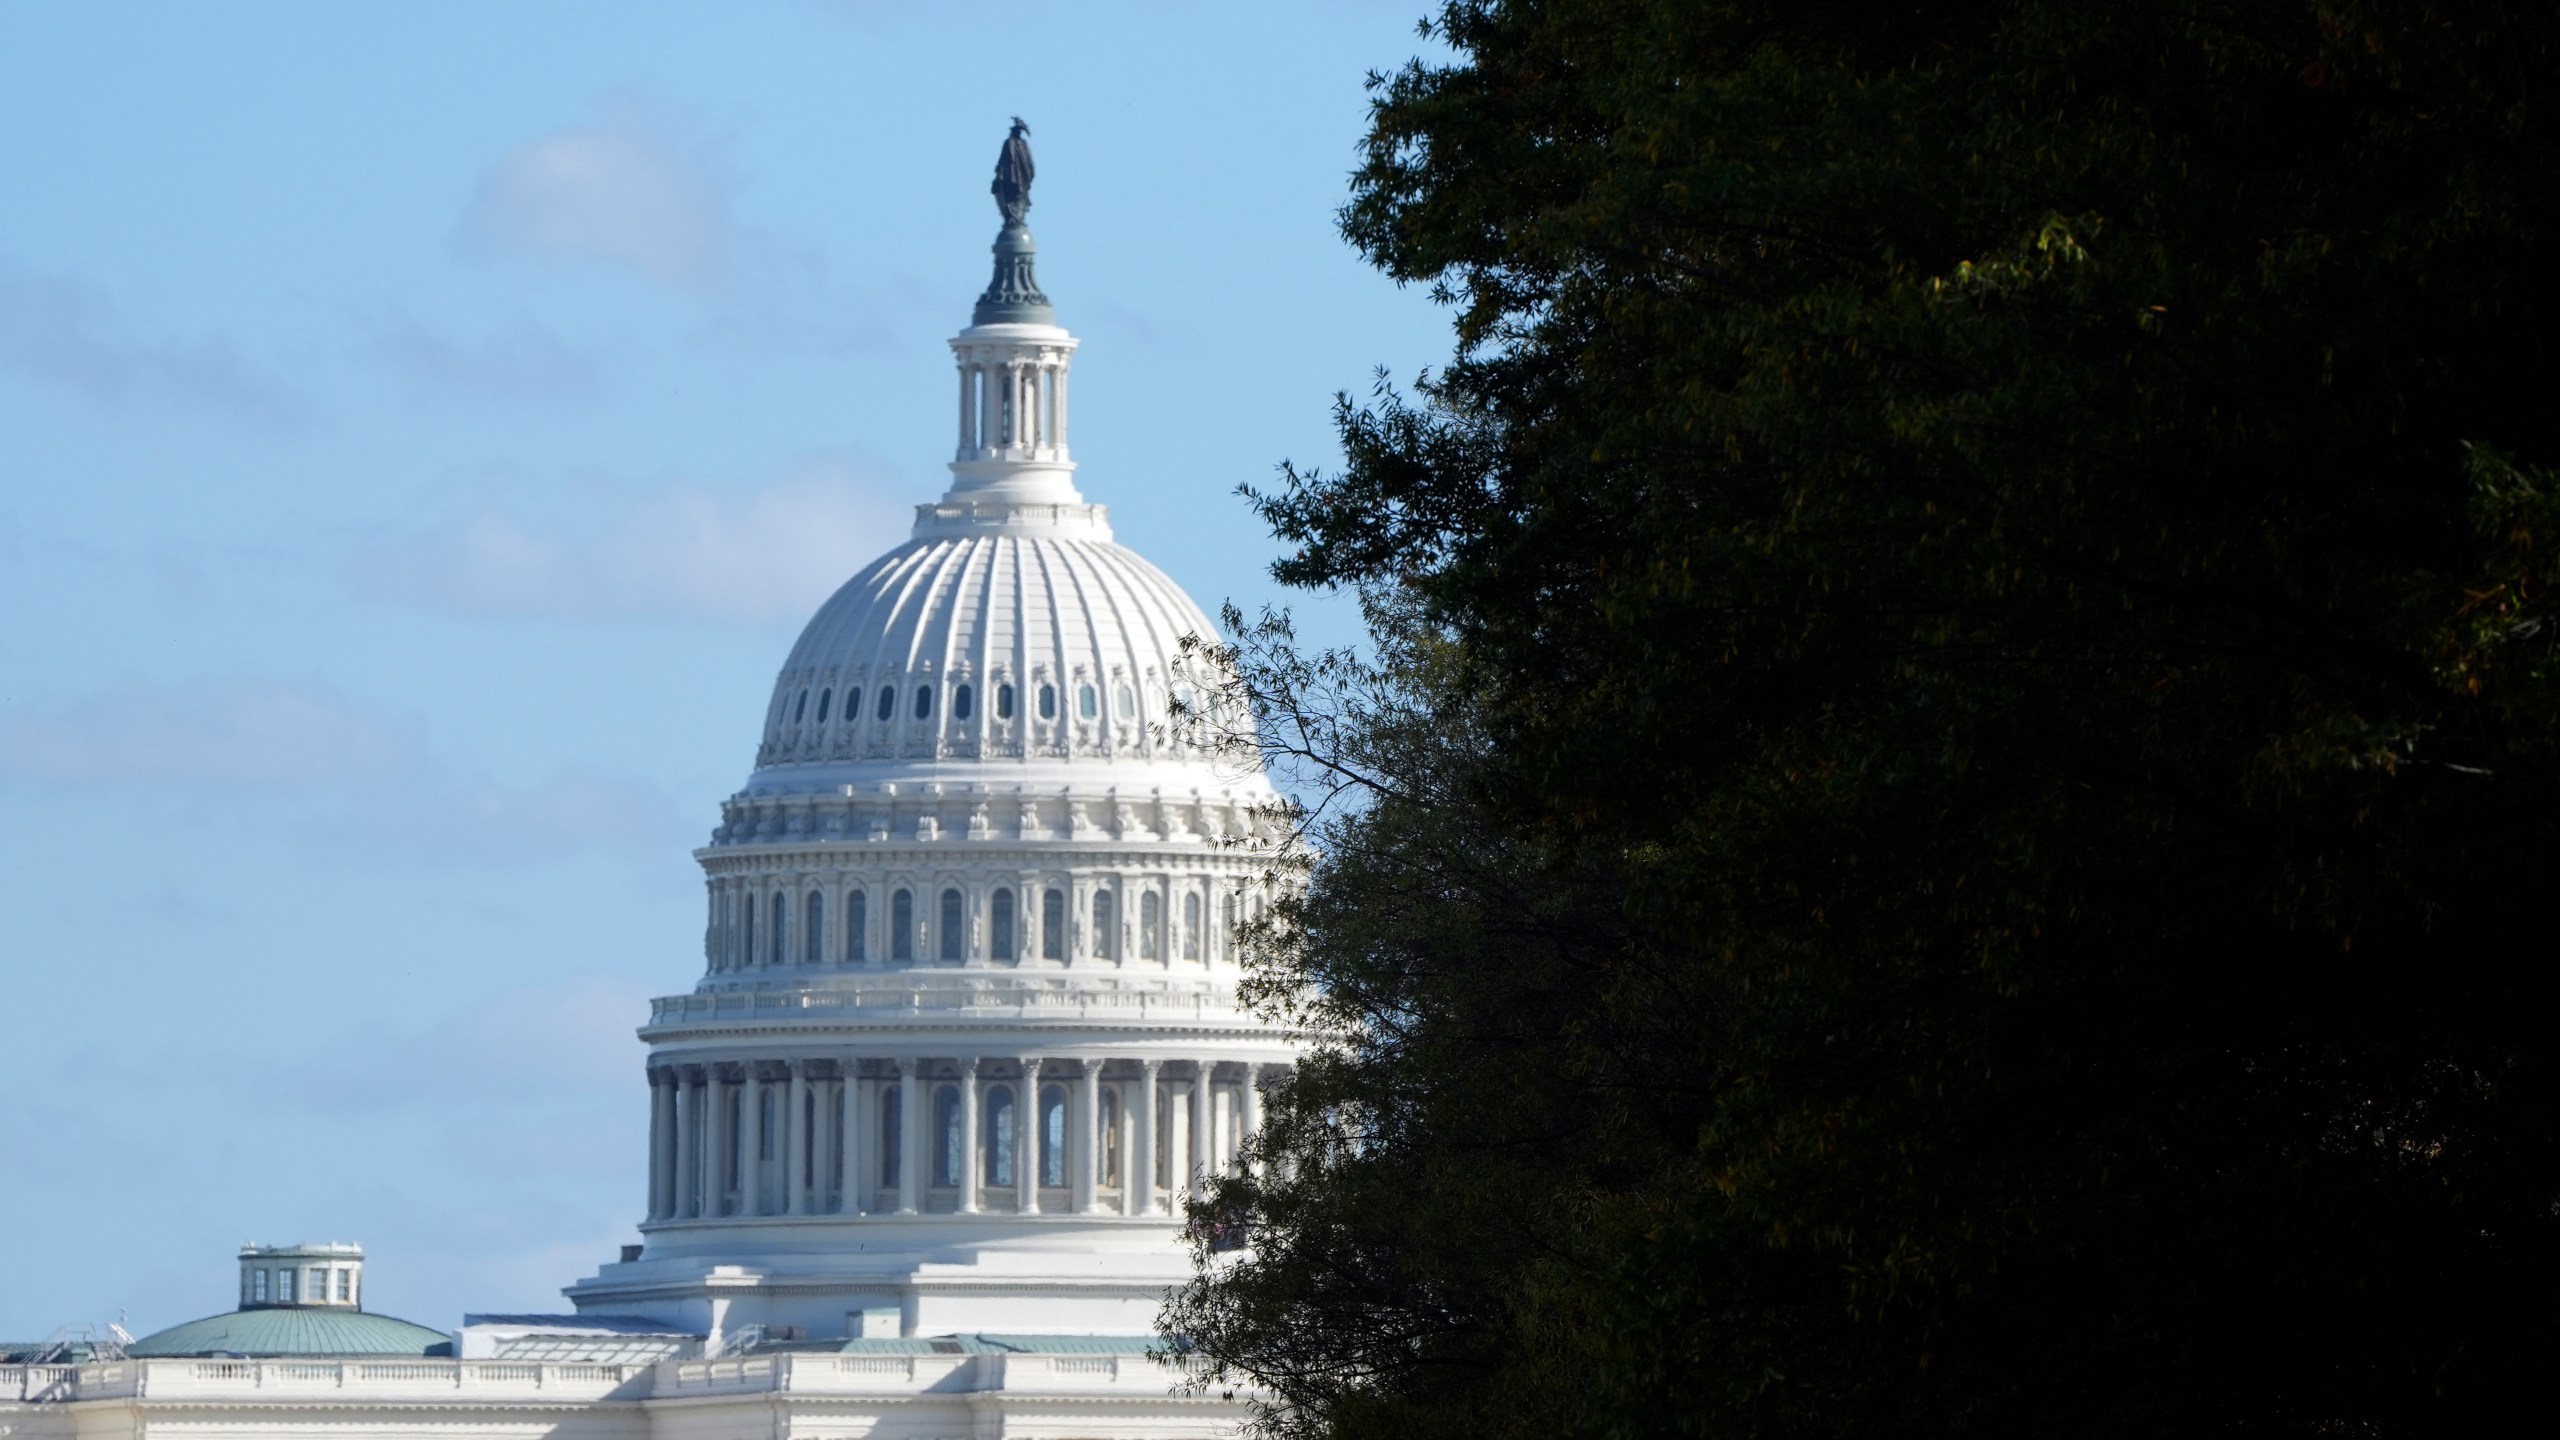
288	1331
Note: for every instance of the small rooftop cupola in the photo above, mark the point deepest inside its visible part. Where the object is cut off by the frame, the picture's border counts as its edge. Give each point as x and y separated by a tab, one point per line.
1010	470
310	1277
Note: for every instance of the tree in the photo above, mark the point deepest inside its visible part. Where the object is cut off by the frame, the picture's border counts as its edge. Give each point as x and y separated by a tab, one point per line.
1950	823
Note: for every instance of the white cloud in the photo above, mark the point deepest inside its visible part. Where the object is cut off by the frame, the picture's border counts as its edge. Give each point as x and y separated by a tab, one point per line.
687	553
343	779
67	332
621	193
526	362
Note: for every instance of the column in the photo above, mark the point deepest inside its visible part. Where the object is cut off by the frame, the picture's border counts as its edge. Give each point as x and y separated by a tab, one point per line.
688	1195
751	1142
1202	1136
1086	1153
1138	1166
850	1199
910	1120
795	1143
722	1147
1178	1145
965	437
968	1137
1248	1113
1026	1141
662	1147
822	1144
1060	385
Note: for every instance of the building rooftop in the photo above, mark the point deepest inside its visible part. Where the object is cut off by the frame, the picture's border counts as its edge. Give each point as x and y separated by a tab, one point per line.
294	1332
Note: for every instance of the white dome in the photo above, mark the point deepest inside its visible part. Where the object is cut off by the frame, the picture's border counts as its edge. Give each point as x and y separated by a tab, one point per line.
994	636
979	904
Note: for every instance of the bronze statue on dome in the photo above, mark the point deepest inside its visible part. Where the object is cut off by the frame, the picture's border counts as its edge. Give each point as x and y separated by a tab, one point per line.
1012	185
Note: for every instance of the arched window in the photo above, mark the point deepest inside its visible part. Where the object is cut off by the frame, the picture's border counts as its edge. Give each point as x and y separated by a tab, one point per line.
1087	705
888	702
823	697
813	937
800	711
954	937
1053	925
902	926
1106	925
768	1101
996	1137
781	922
924	702
1110	1135
852	703
893	1140
1123	703
1000	925
1004	702
747	932
1190	927
1048	702
1150	926
857	915
947	1158
960	703
1227	927
1053	1134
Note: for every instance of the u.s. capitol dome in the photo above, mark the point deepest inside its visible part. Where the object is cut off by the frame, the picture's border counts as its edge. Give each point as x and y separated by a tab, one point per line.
967	1032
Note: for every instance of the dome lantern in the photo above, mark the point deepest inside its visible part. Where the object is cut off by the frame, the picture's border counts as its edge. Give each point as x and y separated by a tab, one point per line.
1010	469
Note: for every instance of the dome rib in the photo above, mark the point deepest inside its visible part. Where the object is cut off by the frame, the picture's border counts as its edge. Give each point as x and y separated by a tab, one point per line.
990	607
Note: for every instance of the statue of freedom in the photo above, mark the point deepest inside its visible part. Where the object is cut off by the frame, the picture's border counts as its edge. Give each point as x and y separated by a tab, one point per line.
1012	186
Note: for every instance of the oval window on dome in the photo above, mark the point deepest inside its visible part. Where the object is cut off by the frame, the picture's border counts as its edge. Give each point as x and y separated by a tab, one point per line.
1004	702
1088	704
924	702
852	703
888	702
1123	703
823	697
800	711
960	702
1048	702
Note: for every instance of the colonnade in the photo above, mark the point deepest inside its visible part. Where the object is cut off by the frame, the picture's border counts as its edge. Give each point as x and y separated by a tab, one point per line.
1013	404
906	1135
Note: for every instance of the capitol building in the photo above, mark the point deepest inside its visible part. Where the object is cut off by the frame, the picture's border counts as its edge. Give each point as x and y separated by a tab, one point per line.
967	1035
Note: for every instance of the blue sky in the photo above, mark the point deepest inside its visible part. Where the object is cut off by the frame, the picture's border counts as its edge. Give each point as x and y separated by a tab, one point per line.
422	432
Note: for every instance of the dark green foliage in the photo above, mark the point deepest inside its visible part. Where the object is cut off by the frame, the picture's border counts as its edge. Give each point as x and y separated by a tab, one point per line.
1957	806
